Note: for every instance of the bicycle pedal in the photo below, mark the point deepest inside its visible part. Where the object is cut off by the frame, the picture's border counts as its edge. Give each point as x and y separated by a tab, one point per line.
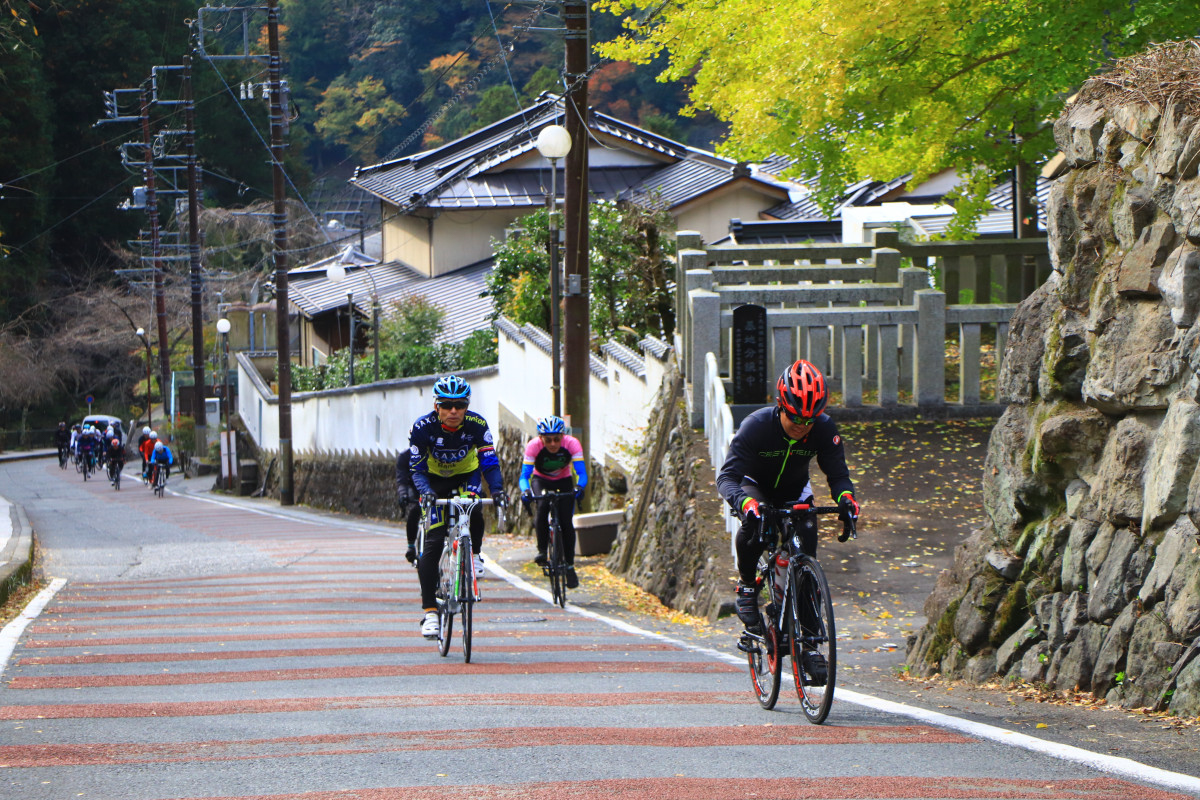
747	645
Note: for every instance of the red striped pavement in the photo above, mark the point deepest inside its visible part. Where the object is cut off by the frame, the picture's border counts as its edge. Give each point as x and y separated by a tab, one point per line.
309	681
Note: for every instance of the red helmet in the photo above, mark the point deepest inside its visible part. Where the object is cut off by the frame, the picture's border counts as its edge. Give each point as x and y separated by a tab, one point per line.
116	442
801	390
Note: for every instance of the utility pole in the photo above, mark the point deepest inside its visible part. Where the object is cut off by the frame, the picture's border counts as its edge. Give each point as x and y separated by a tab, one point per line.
576	326
282	329
189	142
160	297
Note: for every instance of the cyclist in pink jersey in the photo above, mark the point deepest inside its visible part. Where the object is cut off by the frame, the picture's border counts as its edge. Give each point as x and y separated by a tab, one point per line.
549	459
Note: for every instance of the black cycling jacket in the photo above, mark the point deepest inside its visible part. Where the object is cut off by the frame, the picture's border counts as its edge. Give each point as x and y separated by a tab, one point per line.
761	451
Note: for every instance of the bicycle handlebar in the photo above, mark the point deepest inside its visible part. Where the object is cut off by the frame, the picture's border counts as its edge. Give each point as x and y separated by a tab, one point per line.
849	526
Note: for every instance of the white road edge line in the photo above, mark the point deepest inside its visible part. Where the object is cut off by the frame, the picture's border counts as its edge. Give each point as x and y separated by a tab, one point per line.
1105	763
1110	764
13	630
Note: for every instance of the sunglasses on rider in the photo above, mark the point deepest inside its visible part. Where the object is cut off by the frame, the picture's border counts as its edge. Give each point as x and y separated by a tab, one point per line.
799	420
457	405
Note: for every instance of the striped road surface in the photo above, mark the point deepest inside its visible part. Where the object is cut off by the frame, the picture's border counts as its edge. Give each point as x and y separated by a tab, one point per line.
197	648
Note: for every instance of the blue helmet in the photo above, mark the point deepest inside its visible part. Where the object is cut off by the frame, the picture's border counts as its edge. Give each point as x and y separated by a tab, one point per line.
551	425
452	387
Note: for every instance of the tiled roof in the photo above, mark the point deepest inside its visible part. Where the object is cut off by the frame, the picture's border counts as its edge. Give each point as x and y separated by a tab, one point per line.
783	232
419	180
529	187
676	184
458	293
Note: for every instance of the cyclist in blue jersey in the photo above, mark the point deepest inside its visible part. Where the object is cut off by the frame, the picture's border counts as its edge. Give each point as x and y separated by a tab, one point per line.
768	462
451	451
549	460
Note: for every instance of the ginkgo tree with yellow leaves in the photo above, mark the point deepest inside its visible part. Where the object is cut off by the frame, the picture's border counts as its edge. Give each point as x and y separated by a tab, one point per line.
881	88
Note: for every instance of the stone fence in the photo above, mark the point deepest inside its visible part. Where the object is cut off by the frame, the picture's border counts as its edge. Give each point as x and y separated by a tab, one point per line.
870	323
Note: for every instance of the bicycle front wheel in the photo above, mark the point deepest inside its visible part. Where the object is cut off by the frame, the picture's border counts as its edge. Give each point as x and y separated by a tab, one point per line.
445	605
813	638
466	595
116	478
558	568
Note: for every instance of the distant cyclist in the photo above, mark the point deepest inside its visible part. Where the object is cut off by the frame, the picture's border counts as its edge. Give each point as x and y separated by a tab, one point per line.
450	452
410	505
768	462
161	458
549	458
62	442
114	454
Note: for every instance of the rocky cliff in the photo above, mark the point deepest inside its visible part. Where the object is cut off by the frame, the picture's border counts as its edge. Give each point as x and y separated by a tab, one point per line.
1087	574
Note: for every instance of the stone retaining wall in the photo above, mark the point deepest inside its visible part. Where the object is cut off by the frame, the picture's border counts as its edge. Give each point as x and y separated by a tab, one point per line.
1087	574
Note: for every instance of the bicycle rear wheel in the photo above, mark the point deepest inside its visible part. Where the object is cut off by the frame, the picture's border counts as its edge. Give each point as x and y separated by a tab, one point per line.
116	477
813	638
766	667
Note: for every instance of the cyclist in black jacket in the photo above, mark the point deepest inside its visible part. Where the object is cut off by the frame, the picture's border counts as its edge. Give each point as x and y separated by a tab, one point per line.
768	462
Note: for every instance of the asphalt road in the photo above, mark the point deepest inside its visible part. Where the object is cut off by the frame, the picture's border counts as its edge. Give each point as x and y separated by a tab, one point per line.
200	648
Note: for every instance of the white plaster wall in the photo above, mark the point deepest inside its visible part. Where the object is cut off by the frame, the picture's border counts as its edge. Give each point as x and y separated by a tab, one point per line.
855	219
711	218
406	239
375	418
465	237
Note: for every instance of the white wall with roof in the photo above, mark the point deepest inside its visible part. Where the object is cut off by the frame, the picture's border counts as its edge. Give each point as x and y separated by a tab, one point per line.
622	387
374	418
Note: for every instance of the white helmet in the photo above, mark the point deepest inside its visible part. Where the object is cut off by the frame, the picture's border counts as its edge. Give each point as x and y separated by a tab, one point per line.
146	431
153	434
158	447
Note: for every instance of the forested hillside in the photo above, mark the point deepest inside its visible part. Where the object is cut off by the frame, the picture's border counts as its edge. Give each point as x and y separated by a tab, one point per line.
369	81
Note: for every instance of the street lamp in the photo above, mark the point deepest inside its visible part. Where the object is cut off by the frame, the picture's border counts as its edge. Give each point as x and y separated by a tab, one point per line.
554	142
223	327
141	334
337	273
350	307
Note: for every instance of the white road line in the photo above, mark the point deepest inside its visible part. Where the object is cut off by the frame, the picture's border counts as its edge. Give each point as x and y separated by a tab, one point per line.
13	630
1105	763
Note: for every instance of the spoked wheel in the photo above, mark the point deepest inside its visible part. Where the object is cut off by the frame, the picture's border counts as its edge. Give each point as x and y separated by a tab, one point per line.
813	640
467	593
116	478
766	668
558	572
445	626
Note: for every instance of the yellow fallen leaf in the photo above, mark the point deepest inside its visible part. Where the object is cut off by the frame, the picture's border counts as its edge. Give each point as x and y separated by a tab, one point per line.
1042	725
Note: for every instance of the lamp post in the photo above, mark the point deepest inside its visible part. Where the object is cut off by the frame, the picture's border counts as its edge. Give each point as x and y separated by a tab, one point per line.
554	142
350	309
223	327
141	334
337	273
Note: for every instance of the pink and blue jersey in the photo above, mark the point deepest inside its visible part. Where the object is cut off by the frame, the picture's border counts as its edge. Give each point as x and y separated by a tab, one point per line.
556	466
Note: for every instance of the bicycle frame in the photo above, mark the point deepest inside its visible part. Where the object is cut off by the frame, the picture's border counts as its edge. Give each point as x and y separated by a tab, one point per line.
556	565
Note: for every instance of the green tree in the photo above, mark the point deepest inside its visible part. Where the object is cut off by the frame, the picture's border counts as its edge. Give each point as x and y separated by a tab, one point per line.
886	87
628	271
353	116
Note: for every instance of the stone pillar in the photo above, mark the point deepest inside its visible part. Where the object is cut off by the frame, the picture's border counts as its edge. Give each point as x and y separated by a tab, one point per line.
889	385
912	280
705	308
930	383
887	264
700	278
852	364
968	364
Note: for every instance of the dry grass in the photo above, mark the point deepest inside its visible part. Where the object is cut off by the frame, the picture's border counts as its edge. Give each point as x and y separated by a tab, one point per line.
1164	75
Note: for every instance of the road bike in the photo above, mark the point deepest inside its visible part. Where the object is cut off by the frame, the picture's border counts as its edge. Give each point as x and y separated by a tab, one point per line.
798	621
556	565
114	473
457	587
87	464
160	479
63	456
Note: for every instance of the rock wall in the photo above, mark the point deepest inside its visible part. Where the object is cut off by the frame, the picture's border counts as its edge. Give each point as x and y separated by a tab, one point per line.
672	541
1087	573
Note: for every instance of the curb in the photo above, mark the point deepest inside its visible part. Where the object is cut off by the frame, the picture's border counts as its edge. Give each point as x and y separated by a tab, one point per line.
18	553
27	455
